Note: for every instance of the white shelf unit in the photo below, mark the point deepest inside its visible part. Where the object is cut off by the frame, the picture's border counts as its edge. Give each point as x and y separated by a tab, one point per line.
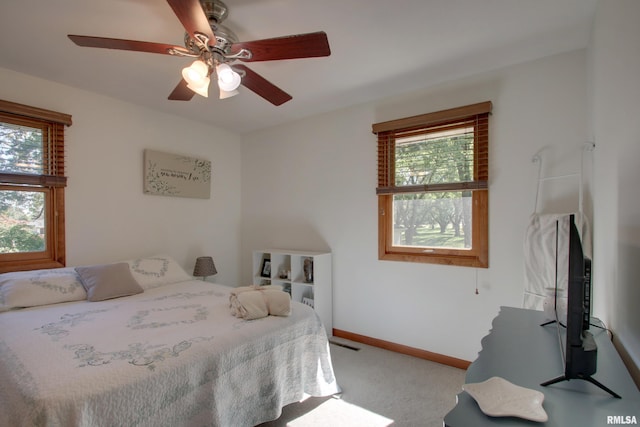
287	269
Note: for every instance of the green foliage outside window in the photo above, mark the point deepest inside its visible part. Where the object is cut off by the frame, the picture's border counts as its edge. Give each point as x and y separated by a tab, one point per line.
21	212
433	219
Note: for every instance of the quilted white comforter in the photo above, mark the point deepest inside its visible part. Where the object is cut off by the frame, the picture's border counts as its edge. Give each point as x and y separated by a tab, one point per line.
171	356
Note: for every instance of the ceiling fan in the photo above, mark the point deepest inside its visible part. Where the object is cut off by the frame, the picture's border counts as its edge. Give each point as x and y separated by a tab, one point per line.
214	47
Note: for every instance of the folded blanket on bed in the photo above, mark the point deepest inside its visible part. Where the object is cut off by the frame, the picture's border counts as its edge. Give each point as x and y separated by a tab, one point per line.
254	302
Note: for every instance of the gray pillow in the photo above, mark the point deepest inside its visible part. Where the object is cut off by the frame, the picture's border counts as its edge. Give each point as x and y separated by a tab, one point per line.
106	281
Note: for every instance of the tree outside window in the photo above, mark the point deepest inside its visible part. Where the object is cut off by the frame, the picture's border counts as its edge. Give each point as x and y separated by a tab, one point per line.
22	212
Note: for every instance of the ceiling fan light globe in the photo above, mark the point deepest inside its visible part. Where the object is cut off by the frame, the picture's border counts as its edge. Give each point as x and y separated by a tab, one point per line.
201	88
228	80
229	87
224	94
196	73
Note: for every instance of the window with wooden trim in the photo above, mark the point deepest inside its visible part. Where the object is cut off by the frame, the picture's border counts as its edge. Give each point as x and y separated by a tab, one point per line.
32	182
433	192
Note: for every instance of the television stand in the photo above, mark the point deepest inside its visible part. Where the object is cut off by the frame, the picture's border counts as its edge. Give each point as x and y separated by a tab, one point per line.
520	351
585	360
550	322
581	377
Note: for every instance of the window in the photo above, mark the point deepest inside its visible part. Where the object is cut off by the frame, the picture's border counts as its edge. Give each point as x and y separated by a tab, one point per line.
433	173
32	182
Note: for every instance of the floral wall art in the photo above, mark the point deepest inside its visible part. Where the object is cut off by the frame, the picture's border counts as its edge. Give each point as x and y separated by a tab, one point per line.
167	174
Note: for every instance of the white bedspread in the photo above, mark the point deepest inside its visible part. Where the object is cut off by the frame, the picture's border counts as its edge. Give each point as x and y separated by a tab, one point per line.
171	356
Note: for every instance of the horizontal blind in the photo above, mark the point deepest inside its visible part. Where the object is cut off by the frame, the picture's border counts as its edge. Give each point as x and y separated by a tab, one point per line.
473	128
55	150
29	179
482	151
386	166
52	125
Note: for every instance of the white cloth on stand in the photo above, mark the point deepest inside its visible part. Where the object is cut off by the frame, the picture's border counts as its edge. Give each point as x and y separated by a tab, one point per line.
546	255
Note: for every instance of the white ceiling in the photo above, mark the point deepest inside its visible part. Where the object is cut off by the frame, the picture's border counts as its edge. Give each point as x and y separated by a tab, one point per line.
378	48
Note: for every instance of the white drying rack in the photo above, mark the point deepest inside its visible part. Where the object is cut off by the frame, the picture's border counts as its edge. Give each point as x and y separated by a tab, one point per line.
537	158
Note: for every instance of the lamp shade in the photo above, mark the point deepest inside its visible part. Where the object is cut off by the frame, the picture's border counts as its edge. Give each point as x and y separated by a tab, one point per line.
204	267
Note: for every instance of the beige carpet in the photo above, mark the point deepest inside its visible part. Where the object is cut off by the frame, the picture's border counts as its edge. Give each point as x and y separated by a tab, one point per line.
380	388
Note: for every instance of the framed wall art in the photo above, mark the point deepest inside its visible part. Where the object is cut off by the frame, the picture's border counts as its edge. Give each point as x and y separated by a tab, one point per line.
167	174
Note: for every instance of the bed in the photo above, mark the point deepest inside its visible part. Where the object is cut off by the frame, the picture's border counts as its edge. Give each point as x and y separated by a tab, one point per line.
169	355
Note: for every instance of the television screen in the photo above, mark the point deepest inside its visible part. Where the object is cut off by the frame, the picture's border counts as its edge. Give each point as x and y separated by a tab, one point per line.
581	351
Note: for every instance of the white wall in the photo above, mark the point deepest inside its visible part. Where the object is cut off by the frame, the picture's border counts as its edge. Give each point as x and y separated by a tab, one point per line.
615	61
311	185
108	218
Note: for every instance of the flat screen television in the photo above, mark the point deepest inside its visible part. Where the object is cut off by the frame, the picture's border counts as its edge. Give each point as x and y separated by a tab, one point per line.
580	350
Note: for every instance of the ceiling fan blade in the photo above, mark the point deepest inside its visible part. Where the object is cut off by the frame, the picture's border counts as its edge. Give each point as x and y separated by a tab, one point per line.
192	17
258	84
134	45
181	92
288	47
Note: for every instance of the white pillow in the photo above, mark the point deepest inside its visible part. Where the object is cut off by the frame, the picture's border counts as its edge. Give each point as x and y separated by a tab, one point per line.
155	271
40	287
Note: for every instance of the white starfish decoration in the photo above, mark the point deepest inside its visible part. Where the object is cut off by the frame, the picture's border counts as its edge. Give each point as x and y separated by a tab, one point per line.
498	397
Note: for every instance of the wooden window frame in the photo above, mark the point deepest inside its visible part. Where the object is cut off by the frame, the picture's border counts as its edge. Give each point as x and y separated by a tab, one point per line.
51	182
478	254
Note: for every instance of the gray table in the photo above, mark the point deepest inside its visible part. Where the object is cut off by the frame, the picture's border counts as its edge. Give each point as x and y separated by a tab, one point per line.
521	351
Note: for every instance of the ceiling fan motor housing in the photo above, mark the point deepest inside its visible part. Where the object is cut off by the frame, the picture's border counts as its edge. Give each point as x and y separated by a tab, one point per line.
215	10
224	39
